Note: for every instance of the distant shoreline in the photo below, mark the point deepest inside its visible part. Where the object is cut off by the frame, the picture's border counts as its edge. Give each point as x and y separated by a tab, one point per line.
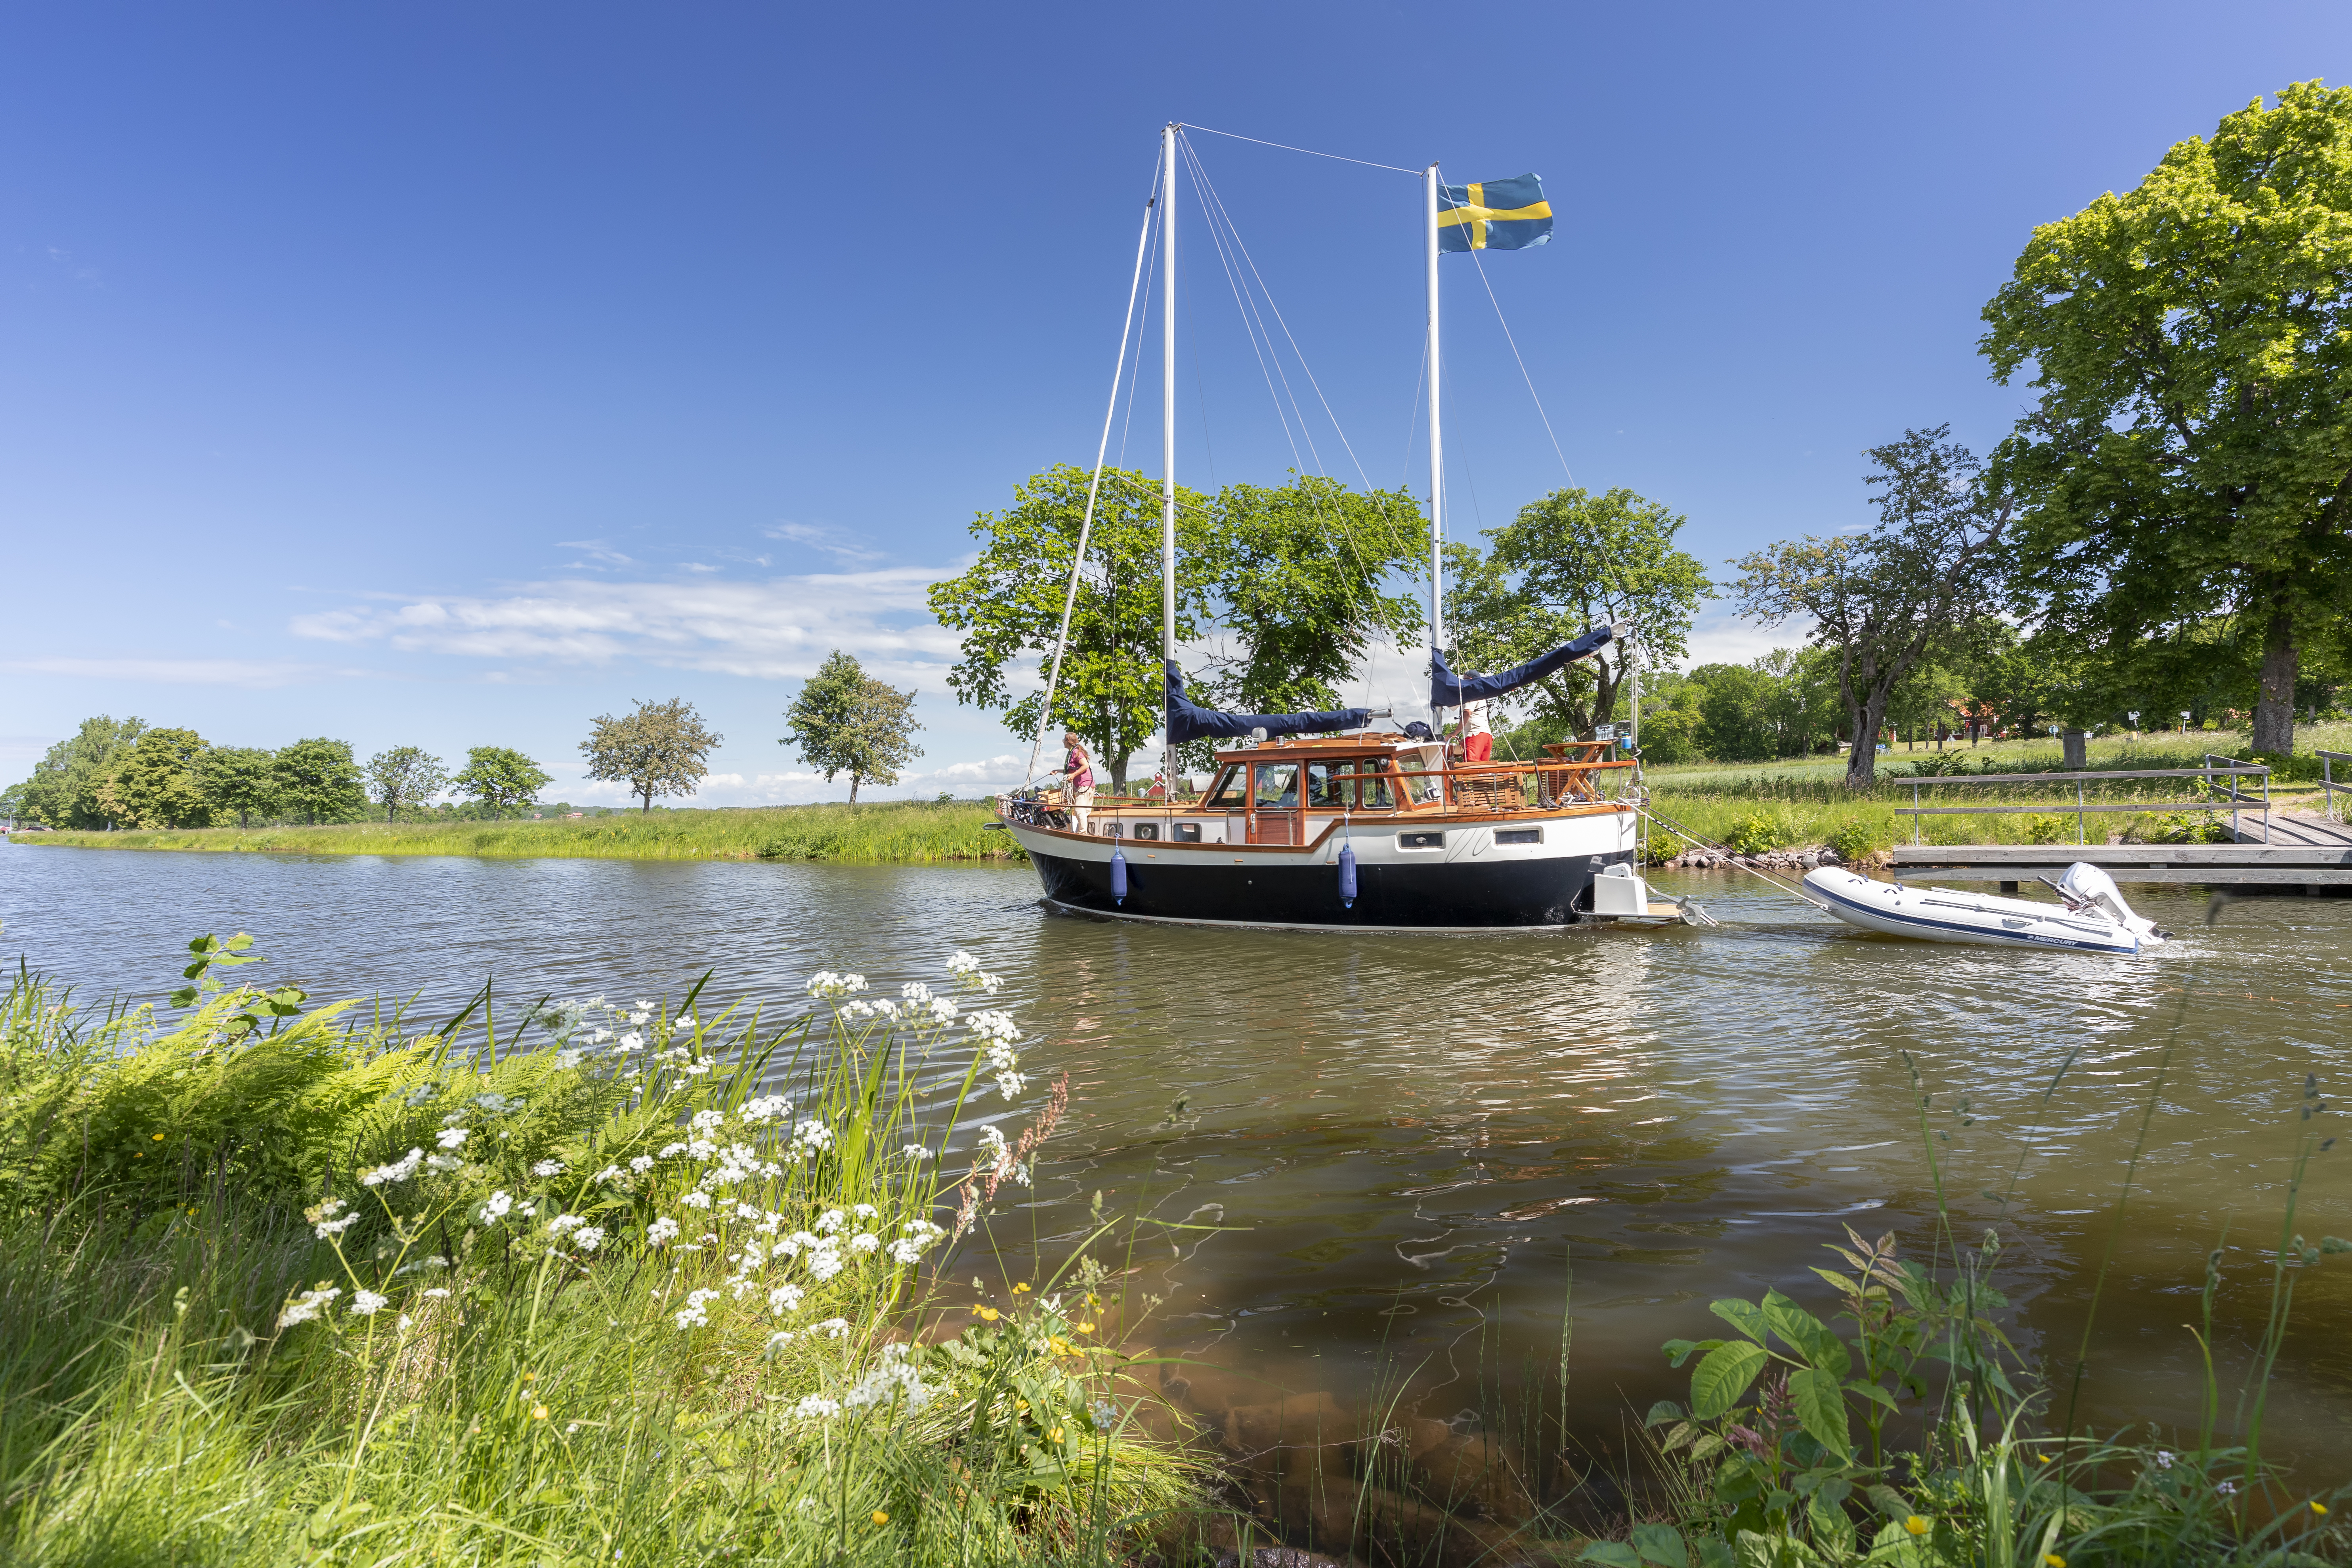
879	833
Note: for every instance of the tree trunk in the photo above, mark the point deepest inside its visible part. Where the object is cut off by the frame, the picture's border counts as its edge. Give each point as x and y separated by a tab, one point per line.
1862	762
649	800
853	789
2274	710
1119	777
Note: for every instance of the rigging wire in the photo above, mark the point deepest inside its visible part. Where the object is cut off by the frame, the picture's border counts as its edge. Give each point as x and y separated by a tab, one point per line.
1163	185
1253	324
1340	157
1533	397
1135	378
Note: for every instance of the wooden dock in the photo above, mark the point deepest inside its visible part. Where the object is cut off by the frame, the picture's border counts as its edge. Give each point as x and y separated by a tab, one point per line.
2306	851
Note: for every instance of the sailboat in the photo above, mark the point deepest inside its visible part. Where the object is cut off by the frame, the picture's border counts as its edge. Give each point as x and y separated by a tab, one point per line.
1335	820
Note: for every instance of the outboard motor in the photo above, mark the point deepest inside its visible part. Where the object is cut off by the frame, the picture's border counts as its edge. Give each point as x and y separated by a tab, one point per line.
2086	887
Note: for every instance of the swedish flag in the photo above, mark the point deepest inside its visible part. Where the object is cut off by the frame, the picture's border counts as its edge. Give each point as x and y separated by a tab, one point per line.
1499	215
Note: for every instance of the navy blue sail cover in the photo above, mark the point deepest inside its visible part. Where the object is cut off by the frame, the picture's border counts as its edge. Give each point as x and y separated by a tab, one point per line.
1447	689
1188	721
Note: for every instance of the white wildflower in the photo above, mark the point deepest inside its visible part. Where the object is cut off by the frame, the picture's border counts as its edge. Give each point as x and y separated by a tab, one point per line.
995	1024
400	1170
963	964
328	1228
641	1163
824	1263
564	1222
696	1313
631	1041
783	1299
865	1242
767	1108
366	1302
568	1058
307	1306
694	1069
836	1327
438	1292
590	1238
695	1200
497	1207
916	1152
864	1211
942	1012
443	1162
831	1220
708	1120
548	1168
661	1230
450	1138
609	1174
817	1407
1011	1084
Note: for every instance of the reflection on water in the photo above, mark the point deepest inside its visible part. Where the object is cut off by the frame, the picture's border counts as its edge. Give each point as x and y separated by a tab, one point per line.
1411	1148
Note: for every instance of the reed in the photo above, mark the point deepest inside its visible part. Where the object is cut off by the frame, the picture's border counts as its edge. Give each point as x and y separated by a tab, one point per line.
884	832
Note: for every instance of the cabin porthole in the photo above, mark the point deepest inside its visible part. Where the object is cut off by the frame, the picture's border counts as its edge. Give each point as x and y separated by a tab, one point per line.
1147	830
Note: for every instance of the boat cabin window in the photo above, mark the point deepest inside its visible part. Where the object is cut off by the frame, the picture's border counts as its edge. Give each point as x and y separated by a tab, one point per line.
1276	787
1227	790
1351	784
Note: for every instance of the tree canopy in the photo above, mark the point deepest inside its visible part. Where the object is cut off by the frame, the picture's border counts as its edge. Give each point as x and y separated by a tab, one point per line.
659	748
1881	598
1568	562
501	779
239	782
158	783
845	722
63	791
2191	344
405	775
317	781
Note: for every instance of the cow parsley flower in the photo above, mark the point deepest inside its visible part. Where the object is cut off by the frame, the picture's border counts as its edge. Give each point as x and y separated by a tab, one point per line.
839	1328
450	1138
695	1200
548	1168
817	1407
308	1305
783	1299
497	1207
641	1163
590	1238
661	1230
366	1302
400	1170
696	1313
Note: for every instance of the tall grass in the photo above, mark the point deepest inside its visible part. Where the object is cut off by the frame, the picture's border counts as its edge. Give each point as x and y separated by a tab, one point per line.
283	1284
882	832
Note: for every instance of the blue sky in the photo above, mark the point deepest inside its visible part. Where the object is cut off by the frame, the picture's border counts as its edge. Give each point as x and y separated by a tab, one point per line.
447	376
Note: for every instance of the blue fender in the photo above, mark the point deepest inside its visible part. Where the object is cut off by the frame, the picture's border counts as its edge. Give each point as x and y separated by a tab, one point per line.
1117	875
1347	876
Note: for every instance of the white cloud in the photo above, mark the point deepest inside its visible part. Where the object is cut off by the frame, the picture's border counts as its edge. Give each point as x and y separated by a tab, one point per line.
781	629
833	542
253	674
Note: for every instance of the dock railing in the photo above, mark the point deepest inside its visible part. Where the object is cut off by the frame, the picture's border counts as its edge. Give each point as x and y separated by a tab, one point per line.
2217	794
2328	761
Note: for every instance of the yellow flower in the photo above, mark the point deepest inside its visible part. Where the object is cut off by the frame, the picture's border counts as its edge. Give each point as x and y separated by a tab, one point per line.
989	1314
1018	1288
1058	1346
1915	1525
159	1137
1085	1327
2043	1458
539	1412
881	1517
530	1377
2053	1559
2319	1507
1093	1300
1054	1436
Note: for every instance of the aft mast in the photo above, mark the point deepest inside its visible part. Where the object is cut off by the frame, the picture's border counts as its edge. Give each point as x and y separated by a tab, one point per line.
1168	440
1436	455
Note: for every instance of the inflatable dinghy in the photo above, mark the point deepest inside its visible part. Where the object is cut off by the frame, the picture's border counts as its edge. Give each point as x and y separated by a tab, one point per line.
2092	918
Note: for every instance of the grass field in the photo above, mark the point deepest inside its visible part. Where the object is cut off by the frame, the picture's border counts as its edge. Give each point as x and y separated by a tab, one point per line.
915	832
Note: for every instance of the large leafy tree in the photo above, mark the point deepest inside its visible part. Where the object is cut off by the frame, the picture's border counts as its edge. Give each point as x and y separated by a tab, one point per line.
317	781
405	776
1568	562
501	778
2191	344
239	782
659	748
64	787
159	782
1302	590
1880	600
845	722
1008	605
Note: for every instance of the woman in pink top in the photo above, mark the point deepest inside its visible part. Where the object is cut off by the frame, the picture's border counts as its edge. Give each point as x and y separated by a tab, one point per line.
1079	775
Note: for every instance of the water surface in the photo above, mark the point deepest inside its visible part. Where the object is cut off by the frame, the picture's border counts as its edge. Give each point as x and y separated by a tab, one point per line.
1407	1144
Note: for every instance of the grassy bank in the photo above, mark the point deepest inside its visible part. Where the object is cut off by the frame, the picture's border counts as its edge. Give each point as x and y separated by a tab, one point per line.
292	1284
913	832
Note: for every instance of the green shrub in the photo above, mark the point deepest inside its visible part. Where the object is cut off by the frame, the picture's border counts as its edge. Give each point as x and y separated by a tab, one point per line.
2182	827
1758	833
2049	828
1855	838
